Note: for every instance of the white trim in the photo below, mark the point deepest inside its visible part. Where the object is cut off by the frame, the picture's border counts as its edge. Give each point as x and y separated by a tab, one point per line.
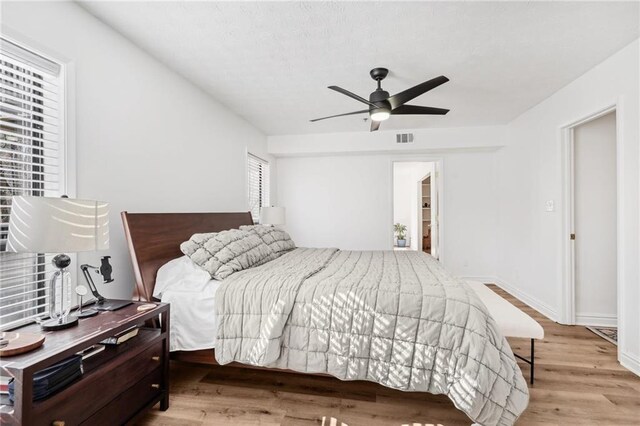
419	212
531	301
480	278
629	362
246	178
440	181
567	297
567	287
600	320
70	158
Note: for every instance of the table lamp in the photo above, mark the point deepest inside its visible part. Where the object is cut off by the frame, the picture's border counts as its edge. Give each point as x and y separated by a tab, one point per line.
55	225
272	216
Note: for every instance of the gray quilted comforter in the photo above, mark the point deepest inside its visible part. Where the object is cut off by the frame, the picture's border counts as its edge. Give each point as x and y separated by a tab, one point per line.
395	318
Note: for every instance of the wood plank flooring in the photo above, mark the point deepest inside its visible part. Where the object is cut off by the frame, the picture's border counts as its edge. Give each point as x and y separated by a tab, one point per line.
578	381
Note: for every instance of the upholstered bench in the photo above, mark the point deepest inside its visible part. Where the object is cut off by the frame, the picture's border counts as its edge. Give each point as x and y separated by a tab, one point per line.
511	321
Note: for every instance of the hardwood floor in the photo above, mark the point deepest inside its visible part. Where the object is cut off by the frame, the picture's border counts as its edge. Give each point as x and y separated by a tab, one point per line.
578	381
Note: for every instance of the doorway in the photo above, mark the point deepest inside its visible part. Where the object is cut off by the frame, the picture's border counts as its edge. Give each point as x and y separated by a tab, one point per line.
591	294
416	207
594	235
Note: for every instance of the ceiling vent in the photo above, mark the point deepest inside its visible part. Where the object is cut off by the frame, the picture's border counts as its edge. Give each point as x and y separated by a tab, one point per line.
404	138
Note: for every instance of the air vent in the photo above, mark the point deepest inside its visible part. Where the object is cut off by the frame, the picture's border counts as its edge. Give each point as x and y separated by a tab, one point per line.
404	138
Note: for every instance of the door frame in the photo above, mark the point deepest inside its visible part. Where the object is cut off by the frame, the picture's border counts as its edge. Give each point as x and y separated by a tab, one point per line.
419	213
568	287
439	161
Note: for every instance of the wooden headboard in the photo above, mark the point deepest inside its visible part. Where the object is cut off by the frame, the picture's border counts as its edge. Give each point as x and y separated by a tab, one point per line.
155	238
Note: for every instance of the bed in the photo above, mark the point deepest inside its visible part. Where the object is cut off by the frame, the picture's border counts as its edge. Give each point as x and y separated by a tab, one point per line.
395	318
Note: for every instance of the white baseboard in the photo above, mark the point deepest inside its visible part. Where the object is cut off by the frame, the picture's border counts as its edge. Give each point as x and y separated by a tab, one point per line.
600	320
482	279
536	304
630	363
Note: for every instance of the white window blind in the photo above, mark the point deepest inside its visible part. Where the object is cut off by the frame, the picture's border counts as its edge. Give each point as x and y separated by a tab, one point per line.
31	108
258	180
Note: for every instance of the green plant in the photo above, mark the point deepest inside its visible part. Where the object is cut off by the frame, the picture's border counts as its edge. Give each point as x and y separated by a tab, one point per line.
400	230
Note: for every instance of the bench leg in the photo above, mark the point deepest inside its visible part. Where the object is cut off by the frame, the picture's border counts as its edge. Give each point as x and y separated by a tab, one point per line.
530	361
533	360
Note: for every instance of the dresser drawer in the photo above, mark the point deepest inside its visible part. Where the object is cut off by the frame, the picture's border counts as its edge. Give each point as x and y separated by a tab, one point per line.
128	403
99	386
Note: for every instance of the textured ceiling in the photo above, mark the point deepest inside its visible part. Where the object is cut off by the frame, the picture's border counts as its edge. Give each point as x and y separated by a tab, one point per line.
271	62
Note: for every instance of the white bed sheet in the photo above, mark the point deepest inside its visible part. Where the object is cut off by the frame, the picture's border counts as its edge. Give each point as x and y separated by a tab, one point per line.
191	293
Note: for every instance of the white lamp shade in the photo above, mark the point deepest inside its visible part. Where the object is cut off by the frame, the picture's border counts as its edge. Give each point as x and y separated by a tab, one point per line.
57	225
272	216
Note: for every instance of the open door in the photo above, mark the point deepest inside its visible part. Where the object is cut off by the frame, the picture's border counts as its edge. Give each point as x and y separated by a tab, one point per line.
435	208
425	213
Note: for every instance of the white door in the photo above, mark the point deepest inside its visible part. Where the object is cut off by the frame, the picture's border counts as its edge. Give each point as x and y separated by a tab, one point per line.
594	147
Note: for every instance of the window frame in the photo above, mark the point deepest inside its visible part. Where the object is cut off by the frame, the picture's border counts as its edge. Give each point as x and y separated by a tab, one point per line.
66	144
265	185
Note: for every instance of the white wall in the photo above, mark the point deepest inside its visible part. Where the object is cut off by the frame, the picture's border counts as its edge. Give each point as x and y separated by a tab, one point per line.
531	239
345	201
407	178
147	140
337	201
337	189
595	222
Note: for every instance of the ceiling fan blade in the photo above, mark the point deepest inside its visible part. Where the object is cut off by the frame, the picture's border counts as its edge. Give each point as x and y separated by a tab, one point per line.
415	91
375	125
415	109
340	115
352	95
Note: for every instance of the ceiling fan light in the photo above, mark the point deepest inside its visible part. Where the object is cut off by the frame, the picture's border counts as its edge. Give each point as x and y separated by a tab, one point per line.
380	114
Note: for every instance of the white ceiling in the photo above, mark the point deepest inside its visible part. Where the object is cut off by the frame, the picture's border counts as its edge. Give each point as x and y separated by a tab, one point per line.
271	62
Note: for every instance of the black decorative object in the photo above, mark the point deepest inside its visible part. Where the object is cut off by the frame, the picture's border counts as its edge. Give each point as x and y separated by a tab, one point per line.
105	270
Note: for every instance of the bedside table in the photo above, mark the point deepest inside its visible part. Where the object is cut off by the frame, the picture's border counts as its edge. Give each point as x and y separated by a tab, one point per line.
117	384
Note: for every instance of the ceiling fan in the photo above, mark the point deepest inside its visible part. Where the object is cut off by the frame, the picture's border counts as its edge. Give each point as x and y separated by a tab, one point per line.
382	106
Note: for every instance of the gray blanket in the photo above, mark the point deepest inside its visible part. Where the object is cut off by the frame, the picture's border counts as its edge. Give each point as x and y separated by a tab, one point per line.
395	318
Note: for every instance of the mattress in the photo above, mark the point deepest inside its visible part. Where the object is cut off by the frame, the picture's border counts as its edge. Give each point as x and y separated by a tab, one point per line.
191	293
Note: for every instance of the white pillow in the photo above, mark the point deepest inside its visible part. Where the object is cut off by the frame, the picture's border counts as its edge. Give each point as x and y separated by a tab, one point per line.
180	274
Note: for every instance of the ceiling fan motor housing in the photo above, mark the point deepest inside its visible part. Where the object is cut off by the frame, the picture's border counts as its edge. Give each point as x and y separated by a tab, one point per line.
379	97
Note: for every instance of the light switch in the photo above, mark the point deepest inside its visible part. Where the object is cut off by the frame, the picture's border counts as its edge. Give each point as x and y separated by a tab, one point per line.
549	206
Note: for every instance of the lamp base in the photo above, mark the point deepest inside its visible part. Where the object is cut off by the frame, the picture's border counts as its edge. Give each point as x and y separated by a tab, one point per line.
54	324
86	313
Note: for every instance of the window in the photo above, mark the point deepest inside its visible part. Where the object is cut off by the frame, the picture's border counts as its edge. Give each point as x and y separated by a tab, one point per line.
258	180
31	163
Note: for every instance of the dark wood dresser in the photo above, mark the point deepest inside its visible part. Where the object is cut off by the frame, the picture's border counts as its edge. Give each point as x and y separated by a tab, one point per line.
117	384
